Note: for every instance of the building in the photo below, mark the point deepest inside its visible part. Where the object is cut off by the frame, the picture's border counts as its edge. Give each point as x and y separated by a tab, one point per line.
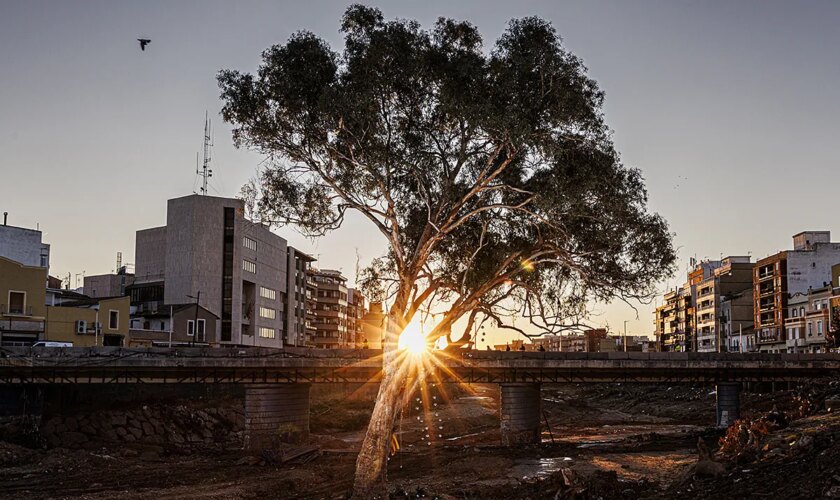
356	310
23	245
731	282
808	321
330	312
240	271
22	303
89	322
594	337
373	326
736	321
674	323
108	285
182	324
783	275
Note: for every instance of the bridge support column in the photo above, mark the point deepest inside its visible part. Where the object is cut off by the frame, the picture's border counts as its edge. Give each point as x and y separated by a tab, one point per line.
728	403
275	413
520	413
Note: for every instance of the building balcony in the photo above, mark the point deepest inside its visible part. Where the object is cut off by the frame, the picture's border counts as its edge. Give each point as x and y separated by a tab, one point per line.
795	321
795	342
815	339
767	292
324	340
769	339
6	310
765	276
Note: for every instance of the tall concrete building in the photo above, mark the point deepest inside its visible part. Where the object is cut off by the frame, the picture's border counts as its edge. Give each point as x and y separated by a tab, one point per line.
675	322
209	253
24	246
783	275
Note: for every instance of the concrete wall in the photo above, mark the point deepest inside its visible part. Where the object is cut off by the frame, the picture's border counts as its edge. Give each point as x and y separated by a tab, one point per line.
24	246
811	269
150	254
107	285
61	322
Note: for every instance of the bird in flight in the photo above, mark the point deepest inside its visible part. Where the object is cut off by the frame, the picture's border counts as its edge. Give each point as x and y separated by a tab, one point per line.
143	43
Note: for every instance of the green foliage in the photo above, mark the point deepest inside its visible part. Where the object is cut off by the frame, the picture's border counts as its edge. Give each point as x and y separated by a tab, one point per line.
491	174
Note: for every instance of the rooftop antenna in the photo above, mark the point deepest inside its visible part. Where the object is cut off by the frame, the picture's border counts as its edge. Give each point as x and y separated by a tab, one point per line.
204	169
119	261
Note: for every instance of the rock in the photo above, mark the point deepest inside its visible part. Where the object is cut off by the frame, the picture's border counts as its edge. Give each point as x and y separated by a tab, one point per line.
148	429
73	438
833	492
118	419
121	432
709	468
136	432
803	444
249	460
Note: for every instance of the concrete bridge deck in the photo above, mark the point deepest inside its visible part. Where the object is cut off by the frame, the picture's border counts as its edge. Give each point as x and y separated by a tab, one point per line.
301	365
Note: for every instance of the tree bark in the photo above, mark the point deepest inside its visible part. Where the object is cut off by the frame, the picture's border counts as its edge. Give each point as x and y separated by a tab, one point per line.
372	463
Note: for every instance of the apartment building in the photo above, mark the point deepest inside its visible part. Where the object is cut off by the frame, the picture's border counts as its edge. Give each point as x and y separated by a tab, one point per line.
330	312
808	321
23	245
356	310
209	253
729	283
675	319
736	321
785	274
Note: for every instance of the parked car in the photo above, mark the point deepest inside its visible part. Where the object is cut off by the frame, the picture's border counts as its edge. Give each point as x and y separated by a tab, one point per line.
44	343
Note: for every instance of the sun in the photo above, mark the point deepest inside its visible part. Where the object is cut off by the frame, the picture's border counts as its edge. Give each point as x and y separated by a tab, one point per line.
413	340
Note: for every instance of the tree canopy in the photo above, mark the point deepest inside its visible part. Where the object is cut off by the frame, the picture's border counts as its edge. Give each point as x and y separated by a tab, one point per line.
491	173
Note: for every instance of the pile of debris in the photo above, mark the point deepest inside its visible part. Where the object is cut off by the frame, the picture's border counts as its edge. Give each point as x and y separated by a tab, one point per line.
293	455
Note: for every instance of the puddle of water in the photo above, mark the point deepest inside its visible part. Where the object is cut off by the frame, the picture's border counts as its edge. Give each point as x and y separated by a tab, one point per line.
537	468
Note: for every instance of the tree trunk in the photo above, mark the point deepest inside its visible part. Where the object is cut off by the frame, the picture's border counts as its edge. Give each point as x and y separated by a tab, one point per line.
372	462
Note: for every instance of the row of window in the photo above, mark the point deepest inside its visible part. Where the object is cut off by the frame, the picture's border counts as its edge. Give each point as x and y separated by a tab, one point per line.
249	243
268	293
267	333
249	266
267	312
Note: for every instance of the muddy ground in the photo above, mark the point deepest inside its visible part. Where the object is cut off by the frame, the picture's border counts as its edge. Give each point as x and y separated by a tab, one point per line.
599	441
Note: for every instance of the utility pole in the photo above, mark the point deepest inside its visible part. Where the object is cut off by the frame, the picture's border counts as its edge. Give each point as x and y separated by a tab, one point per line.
204	170
170	326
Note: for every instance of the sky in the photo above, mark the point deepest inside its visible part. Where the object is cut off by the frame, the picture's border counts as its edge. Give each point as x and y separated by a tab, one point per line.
728	108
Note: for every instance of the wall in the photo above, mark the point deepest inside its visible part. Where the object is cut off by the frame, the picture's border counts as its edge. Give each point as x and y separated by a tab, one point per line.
150	254
29	279
811	269
24	246
61	325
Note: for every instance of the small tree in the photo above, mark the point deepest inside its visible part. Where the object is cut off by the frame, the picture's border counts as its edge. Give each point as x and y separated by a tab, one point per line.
492	177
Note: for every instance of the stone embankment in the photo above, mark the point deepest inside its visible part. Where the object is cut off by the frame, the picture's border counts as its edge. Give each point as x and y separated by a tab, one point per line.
172	427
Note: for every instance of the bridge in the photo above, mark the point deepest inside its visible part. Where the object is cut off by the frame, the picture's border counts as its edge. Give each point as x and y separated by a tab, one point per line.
277	380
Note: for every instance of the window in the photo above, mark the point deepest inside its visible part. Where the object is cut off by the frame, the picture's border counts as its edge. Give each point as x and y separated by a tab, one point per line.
810	329
17	302
819	328
190	327
249	266
201	329
267	312
162	326
267	333
268	293
113	319
249	243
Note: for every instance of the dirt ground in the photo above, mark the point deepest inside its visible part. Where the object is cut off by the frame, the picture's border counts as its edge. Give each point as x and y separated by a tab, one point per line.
601	441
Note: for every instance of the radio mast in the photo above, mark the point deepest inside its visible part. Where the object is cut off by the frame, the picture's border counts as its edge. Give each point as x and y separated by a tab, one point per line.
203	168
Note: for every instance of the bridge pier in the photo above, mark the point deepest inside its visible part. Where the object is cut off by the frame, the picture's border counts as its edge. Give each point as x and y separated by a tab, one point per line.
275	413
728	403
520	413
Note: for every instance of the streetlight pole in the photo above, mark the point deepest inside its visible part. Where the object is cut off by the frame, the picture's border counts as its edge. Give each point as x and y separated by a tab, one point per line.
625	336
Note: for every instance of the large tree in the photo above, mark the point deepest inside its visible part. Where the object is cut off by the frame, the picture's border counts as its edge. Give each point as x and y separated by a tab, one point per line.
491	175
